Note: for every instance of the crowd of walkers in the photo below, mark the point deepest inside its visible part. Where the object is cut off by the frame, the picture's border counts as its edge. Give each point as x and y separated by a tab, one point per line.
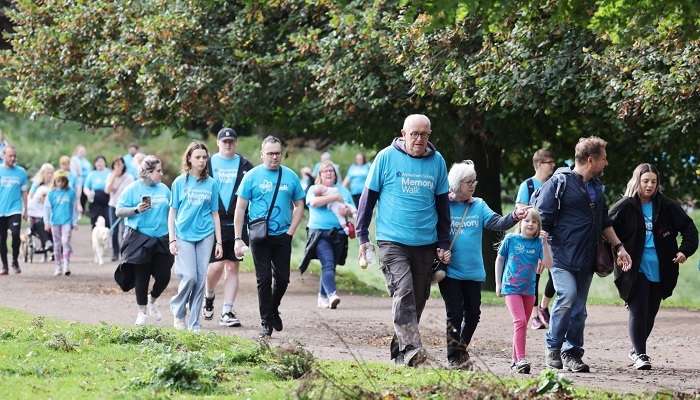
222	207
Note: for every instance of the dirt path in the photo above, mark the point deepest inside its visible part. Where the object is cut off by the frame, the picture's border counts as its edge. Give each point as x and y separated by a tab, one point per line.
364	324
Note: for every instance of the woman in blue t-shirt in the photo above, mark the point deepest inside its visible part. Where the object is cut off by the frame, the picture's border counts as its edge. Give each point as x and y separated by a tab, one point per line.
193	229
94	189
326	239
461	287
144	205
647	224
356	177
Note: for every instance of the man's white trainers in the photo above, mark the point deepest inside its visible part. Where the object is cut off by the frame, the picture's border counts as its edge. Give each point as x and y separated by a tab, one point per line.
334	300
141	319
153	311
323	302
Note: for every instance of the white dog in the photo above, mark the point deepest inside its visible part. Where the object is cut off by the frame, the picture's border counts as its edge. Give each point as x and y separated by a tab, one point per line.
100	240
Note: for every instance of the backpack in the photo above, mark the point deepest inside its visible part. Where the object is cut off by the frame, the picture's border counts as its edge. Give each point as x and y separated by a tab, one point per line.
558	193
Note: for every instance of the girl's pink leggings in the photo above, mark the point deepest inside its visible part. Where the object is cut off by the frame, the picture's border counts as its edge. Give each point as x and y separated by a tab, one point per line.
520	307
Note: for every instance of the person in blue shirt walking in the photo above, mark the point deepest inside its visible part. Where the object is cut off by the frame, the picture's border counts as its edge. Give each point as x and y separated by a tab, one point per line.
193	229
145	206
228	168
131	161
80	166
356	176
408	182
272	254
13	207
461	287
94	189
522	256
544	164
61	217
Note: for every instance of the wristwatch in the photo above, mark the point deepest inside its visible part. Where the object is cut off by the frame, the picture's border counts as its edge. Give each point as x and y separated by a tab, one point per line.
617	246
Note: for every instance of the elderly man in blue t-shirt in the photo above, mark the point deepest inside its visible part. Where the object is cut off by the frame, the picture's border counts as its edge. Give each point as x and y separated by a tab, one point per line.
408	182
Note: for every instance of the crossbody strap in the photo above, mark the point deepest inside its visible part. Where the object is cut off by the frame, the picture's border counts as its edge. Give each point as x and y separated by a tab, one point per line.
274	196
460	225
591	205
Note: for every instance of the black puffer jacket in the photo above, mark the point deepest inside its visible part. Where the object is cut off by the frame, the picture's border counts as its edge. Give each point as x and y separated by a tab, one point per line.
668	220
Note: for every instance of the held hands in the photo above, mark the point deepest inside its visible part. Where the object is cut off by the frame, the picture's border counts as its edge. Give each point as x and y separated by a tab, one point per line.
444	255
680	258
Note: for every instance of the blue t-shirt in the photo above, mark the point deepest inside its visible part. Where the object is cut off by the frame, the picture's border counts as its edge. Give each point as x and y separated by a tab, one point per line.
130	165
258	187
520	270
153	222
466	262
523	192
13	181
194	202
358	175
322	217
85	167
61	207
225	172
97	180
650	260
407	189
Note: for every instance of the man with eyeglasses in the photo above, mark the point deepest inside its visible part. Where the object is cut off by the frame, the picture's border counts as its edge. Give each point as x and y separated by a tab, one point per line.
544	164
408	183
272	254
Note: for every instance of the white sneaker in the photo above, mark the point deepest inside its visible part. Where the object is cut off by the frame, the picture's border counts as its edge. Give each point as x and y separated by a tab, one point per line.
323	302
179	323
229	319
66	270
153	310
58	272
334	300
141	319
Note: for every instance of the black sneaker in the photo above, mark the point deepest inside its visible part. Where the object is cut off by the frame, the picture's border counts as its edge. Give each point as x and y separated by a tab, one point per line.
229	319
643	362
208	311
277	322
4	270
553	359
572	362
15	266
265	331
521	366
463	363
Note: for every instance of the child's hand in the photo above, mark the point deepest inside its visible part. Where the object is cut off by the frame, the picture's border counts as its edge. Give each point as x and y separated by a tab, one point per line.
540	267
543	235
498	291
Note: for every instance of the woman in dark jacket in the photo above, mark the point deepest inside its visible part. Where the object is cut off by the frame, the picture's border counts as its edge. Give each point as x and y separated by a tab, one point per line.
647	222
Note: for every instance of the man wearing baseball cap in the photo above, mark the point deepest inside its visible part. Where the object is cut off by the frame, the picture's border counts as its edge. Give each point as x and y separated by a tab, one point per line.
227	167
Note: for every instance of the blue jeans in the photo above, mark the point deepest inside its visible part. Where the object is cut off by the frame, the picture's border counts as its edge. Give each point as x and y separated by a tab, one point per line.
328	251
191	267
569	313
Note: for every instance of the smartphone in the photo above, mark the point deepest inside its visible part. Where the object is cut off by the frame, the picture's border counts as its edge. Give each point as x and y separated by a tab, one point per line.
146	200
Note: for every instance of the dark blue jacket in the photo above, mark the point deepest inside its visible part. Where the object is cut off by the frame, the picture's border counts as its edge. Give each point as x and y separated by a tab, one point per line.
567	219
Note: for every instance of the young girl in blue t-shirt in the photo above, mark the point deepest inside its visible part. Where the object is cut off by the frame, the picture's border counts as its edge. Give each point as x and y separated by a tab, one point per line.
61	217
524	255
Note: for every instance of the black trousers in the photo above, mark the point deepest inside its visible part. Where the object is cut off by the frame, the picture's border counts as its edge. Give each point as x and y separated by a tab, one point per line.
463	308
13	223
643	305
159	269
271	257
548	289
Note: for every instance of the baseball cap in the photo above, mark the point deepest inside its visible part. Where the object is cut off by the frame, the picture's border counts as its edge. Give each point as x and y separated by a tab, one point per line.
227	134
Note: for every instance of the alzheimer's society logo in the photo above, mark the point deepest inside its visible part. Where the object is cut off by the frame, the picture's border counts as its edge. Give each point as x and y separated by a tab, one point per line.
266	186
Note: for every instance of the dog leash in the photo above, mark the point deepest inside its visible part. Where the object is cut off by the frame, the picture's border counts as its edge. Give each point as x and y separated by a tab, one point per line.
111	228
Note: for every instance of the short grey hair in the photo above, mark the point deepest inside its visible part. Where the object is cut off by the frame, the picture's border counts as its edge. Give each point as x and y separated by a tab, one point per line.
459	172
269	139
412	117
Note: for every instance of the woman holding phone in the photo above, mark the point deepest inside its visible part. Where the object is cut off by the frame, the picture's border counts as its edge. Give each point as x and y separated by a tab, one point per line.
144	205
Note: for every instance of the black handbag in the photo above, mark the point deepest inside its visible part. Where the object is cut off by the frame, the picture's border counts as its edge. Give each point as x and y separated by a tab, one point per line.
257	228
603	262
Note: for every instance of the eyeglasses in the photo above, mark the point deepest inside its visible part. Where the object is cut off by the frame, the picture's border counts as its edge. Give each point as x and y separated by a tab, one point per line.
423	135
326	171
274	154
470	183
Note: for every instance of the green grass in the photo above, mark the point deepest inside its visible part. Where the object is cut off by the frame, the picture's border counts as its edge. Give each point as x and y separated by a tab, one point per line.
46	358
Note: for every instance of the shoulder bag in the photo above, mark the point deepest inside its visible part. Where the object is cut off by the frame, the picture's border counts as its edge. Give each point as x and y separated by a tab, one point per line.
257	228
603	263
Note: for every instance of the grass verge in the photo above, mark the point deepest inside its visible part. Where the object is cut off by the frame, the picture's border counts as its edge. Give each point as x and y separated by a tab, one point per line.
46	358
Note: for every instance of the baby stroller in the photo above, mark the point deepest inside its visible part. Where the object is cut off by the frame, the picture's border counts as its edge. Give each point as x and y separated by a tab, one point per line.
33	243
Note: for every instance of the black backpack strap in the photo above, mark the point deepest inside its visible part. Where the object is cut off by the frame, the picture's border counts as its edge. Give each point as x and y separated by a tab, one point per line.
530	188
